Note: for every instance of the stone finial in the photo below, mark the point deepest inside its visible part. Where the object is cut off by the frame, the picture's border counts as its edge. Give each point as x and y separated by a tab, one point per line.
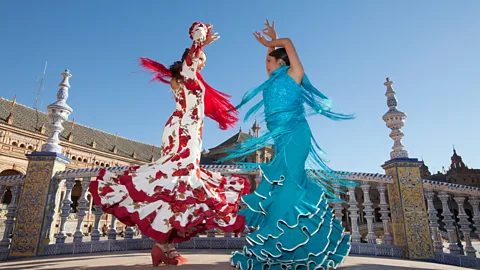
43	129
58	112
395	120
256	129
10	119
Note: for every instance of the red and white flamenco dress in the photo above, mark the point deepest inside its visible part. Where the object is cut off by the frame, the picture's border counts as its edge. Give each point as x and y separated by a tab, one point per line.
173	198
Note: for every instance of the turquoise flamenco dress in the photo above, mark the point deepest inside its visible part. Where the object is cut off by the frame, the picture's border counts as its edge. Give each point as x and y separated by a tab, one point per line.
294	226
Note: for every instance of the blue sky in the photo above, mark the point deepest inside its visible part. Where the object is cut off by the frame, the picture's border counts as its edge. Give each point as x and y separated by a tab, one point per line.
428	48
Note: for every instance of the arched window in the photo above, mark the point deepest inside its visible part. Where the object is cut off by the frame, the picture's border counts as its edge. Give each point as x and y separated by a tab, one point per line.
7	197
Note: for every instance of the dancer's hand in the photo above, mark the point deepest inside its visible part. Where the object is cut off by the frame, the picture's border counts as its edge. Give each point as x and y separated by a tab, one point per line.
212	36
270	30
262	39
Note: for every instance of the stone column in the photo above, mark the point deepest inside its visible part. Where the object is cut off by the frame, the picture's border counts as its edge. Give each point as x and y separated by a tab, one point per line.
112	233
432	217
338	208
11	214
475	201
407	204
36	207
408	209
96	234
356	236
449	221
81	211
465	226
367	203
387	237
66	209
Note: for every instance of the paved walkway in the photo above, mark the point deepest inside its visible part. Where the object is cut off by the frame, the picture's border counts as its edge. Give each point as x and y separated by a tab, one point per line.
199	259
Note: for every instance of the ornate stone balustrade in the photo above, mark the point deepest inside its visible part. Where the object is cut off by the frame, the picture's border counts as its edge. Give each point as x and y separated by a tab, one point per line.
361	206
12	180
451	188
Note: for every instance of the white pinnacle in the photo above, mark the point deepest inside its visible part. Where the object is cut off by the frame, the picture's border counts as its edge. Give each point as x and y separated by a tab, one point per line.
395	120
58	112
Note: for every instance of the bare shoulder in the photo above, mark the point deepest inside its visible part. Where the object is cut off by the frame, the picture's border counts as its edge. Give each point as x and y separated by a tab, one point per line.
175	84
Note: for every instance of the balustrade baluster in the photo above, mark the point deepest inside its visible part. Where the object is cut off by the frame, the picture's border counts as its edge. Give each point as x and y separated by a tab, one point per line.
475	201
112	233
449	221
66	209
96	233
353	209
465	226
11	216
368	210
338	207
81	211
387	237
433	218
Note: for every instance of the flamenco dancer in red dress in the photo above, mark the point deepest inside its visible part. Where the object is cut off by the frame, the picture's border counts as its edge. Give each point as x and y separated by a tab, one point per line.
173	199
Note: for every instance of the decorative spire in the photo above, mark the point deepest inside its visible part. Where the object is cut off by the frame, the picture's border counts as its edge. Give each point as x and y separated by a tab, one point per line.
457	162
256	129
43	129
58	112
395	120
10	119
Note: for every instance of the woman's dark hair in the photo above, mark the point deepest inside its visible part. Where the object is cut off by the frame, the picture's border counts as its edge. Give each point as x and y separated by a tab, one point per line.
281	53
177	66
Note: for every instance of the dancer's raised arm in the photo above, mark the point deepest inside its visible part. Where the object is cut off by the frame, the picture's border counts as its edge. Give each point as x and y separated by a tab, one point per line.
296	68
271	33
202	35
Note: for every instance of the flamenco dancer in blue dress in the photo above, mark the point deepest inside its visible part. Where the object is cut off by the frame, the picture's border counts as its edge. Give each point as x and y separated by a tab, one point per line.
294	226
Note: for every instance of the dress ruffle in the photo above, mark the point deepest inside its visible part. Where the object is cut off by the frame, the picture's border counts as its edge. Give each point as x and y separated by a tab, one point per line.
301	232
158	214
